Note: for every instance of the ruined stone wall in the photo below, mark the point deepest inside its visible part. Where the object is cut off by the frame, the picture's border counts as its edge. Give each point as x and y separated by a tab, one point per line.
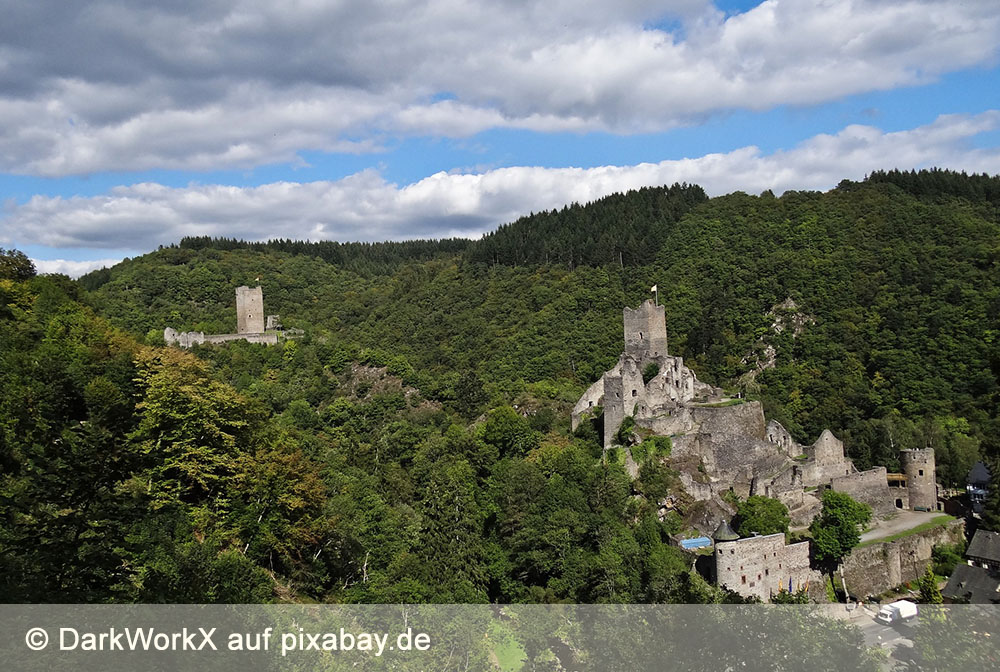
814	474
614	407
186	339
776	433
919	467
633	389
265	338
645	331
591	398
828	449
249	310
746	419
869	487
874	569
762	566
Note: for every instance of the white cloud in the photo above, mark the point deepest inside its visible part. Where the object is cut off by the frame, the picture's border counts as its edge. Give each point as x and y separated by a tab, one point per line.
365	206
73	269
208	84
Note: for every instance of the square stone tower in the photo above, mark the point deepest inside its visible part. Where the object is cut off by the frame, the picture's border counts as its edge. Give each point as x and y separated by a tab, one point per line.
249	310
645	331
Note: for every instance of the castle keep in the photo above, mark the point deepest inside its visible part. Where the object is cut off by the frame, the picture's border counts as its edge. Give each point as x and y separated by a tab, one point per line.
249	310
250	321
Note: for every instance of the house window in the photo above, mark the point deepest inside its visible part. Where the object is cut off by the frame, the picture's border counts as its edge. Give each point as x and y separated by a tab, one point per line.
921	472
767	572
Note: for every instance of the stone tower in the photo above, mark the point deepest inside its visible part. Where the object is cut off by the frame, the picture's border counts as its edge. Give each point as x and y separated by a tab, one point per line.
614	407
645	331
249	310
918	465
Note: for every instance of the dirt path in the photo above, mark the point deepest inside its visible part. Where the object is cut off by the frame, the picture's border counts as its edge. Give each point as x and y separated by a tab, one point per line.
904	520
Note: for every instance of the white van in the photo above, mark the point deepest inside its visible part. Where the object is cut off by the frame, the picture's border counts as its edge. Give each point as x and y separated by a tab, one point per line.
901	610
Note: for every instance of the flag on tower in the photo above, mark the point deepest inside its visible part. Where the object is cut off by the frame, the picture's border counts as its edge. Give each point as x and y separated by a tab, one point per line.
653	288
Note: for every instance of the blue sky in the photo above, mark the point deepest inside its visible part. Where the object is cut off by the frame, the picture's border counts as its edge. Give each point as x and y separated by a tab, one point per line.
124	127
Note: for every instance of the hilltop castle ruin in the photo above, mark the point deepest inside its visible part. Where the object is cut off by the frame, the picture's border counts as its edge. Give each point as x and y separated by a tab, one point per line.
725	445
250	324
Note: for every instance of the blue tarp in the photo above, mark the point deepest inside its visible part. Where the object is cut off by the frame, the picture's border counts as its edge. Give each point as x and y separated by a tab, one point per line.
697	542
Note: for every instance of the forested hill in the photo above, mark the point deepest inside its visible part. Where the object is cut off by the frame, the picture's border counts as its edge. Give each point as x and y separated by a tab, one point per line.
621	229
379	457
902	289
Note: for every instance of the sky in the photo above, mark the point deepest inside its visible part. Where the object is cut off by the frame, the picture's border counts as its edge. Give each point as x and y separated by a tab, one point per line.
127	124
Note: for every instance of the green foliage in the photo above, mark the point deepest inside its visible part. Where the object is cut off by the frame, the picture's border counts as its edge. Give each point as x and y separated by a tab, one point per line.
836	530
650	371
621	229
509	432
927	584
785	597
652	448
15	265
945	557
624	436
761	515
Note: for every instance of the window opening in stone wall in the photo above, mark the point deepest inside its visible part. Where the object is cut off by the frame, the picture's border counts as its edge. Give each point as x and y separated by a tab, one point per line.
921	472
634	393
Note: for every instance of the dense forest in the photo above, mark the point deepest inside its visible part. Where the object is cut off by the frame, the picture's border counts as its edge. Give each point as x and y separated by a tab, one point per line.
414	444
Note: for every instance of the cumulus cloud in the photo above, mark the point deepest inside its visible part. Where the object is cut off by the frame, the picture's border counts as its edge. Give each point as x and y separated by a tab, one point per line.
366	207
206	84
73	269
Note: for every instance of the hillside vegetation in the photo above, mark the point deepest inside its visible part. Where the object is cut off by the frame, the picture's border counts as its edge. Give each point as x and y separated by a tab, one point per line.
414	445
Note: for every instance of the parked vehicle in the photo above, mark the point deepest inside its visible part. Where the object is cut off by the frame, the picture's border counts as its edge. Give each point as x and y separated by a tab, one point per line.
901	610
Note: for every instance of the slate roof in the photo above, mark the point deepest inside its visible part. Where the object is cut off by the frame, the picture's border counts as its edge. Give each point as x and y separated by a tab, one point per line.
978	474
724	532
977	585
985	545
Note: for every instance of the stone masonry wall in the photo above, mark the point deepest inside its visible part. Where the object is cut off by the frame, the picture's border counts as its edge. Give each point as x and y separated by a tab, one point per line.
762	566
869	487
874	569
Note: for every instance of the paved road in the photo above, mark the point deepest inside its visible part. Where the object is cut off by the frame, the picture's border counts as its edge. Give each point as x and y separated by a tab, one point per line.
888	637
903	520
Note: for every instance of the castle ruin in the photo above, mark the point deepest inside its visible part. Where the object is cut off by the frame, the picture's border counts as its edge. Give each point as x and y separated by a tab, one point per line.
250	324
731	446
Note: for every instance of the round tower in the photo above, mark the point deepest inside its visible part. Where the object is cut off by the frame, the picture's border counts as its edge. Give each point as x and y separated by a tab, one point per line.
918	465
